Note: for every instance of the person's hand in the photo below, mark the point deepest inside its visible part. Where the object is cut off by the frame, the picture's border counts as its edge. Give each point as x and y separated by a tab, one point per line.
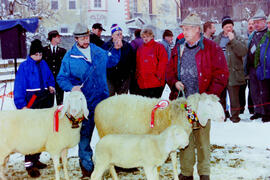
51	89
230	35
179	85
118	43
25	107
76	88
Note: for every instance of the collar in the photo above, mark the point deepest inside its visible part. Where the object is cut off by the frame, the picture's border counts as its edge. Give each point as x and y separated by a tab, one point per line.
75	122
199	42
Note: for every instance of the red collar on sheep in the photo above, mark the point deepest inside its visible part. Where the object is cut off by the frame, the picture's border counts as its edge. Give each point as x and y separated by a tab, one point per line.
75	122
191	116
161	105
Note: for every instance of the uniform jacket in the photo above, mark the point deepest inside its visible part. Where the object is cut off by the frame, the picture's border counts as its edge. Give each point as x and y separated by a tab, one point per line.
27	81
76	70
263	68
54	60
151	64
120	73
211	66
236	50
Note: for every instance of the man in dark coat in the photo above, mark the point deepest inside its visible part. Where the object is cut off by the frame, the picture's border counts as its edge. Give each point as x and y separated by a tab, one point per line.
53	55
119	76
96	34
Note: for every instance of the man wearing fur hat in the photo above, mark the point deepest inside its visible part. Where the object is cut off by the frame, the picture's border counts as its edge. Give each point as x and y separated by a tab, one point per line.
260	29
53	55
234	48
84	69
262	65
197	65
119	77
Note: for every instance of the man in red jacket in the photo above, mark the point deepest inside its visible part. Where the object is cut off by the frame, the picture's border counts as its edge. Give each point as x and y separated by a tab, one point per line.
197	65
151	61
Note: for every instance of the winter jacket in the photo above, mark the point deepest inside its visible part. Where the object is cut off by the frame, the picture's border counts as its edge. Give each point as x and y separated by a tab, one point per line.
136	43
96	40
77	70
211	66
263	68
151	65
27	81
167	47
122	72
235	51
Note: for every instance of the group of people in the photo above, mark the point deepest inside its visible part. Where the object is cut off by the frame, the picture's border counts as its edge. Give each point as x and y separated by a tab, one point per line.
196	64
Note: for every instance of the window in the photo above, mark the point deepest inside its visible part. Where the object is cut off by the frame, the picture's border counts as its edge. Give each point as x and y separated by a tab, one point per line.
54	4
97	3
150	7
64	30
135	6
72	4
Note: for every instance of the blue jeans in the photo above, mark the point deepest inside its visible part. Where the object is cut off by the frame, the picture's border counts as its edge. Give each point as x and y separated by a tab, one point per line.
85	151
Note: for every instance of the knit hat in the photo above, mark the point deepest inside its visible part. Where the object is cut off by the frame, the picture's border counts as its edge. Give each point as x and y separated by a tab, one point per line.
268	19
53	34
259	15
115	27
81	30
98	26
36	47
192	19
227	20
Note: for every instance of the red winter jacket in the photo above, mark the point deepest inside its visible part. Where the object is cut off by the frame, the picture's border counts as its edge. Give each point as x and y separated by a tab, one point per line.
151	64
211	66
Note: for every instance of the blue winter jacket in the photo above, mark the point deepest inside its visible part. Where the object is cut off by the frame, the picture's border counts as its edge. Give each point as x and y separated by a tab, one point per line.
27	81
77	70
263	69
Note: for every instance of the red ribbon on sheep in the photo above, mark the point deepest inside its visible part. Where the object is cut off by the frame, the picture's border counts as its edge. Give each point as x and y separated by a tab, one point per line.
56	118
161	105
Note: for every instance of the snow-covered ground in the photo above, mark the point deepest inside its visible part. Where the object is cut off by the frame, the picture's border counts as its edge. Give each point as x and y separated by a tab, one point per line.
239	151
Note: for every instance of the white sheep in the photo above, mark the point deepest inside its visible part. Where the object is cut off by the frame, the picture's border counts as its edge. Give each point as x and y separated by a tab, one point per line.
131	114
129	151
31	131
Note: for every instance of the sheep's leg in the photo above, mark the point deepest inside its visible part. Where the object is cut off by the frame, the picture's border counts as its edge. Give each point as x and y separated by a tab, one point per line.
3	160
64	161
56	166
113	173
98	172
173	156
151	173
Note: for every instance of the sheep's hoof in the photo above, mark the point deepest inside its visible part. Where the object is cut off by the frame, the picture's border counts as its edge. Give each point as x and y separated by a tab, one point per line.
33	172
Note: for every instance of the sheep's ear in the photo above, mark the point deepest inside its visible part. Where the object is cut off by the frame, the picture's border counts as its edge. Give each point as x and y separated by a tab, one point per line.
201	113
66	105
85	109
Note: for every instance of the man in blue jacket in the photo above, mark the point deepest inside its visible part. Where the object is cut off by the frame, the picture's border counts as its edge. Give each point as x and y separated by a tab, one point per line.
84	69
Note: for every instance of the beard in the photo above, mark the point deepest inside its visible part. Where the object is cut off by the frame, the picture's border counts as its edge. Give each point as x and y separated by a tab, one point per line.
84	45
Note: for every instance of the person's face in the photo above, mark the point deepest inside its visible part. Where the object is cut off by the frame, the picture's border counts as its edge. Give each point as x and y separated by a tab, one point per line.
259	24
37	56
146	38
268	25
250	26
190	32
83	42
56	39
117	35
213	29
169	39
97	31
227	28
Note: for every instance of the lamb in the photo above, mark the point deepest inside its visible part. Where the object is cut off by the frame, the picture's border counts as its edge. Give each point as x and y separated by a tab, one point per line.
128	151
131	114
31	131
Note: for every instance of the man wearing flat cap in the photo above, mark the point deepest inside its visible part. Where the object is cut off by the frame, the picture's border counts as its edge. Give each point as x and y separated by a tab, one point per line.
95	36
84	69
197	65
260	29
53	55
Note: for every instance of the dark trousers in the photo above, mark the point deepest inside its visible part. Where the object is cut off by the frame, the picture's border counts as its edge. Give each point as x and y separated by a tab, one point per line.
255	91
265	89
59	94
118	87
234	101
151	92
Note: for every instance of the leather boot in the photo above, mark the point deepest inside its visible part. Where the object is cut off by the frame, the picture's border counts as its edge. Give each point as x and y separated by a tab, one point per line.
204	177
39	165
85	173
182	177
33	172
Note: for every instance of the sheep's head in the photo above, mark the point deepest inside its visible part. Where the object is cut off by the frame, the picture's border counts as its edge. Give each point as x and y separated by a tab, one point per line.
209	108
177	137
75	105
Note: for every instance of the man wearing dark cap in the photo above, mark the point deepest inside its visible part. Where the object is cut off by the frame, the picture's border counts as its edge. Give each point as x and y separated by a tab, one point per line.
53	55
84	69
95	36
34	80
234	48
260	29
